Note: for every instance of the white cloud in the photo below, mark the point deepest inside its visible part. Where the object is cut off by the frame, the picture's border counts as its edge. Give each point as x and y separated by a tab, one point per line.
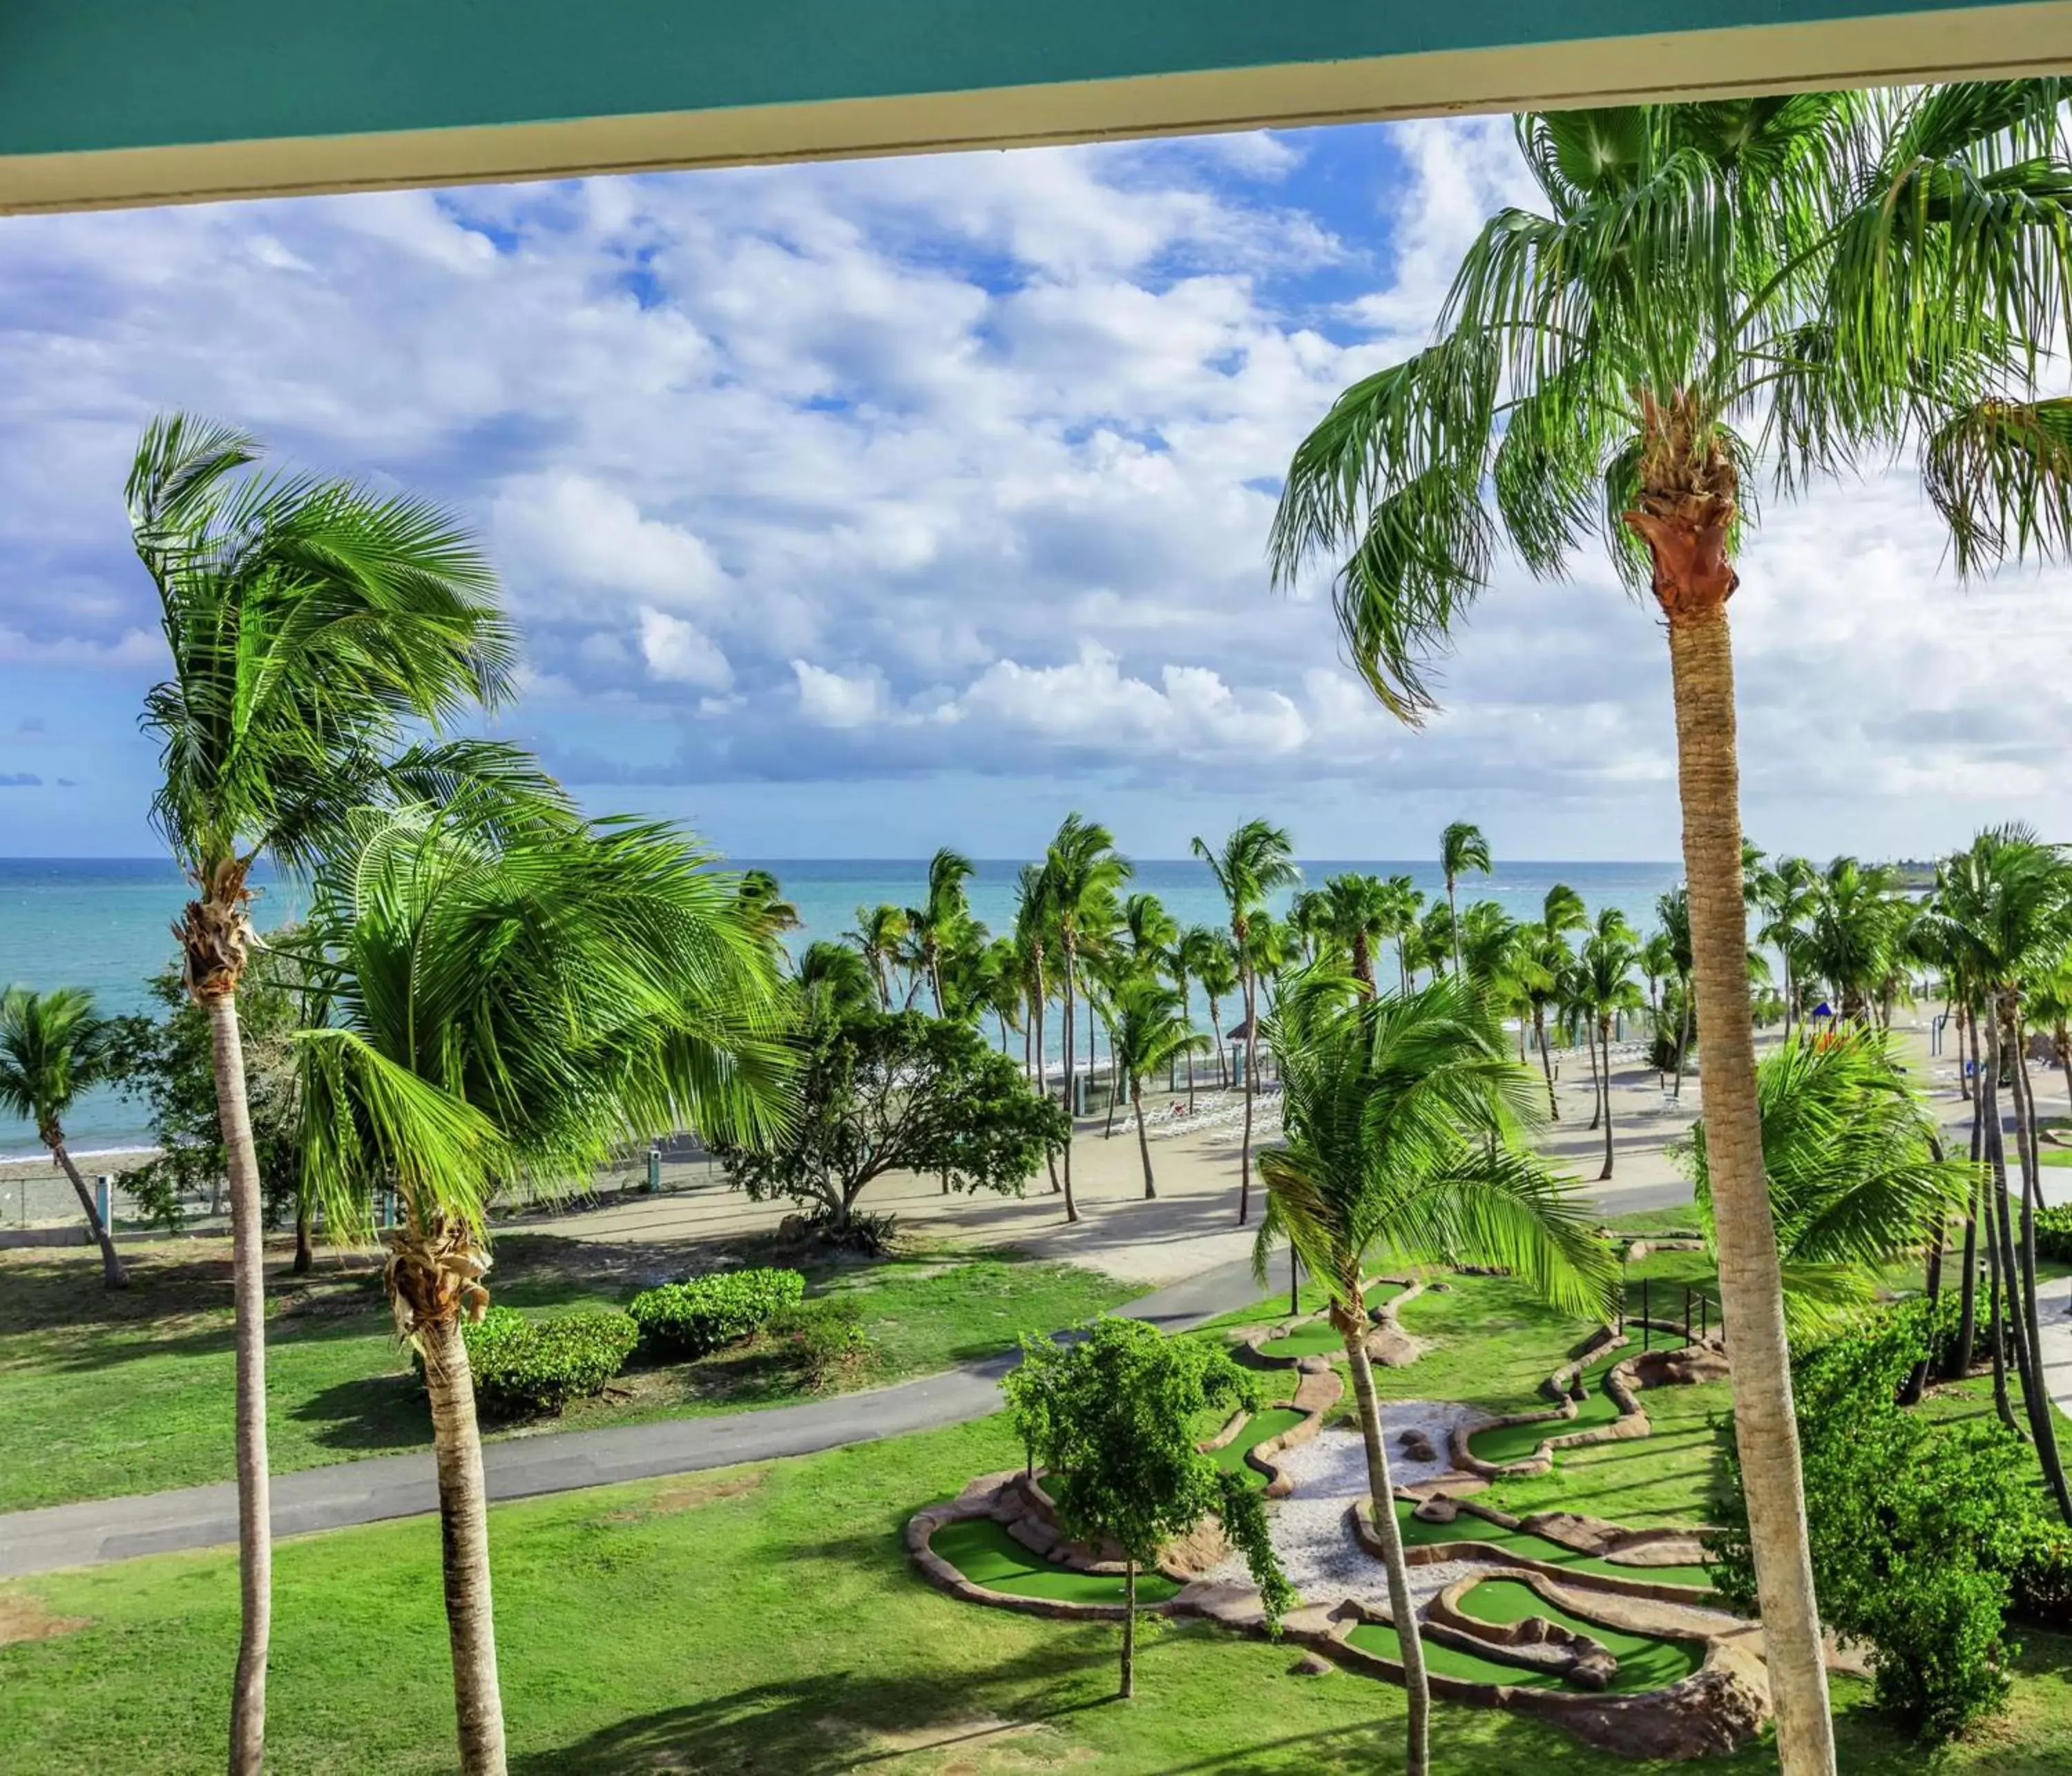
573	529
829	699
679	653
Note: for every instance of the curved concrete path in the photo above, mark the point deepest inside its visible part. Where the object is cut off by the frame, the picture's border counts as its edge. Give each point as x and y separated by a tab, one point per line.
335	1497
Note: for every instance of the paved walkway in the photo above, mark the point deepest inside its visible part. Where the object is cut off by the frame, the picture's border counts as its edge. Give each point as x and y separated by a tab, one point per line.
2053	1310
102	1530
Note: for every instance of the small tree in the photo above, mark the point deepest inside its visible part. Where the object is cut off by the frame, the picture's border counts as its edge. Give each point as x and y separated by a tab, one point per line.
52	1047
900	1092
1151	1033
1112	1418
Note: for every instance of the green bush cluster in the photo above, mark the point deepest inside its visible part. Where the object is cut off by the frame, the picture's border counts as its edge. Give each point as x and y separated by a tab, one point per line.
1921	1531
522	1365
2053	1233
824	1343
704	1313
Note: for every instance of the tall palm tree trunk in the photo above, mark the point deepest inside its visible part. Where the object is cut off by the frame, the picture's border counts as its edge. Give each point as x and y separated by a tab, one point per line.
464	1539
1251	1086
1223	1061
1417	1759
1967	1304
1071	1109
1596	1078
1751	1288
2032	1175
248	1257
2026	1367
1039	1003
1454	922
1143	1141
113	1274
1604	1036
1546	1059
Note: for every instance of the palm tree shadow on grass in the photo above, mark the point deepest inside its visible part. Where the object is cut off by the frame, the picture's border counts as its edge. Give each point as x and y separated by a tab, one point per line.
369	1413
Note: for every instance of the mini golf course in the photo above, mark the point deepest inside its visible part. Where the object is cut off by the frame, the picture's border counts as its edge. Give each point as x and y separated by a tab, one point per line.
1524	1545
1306	1338
985	1553
1260	1427
1596	1411
1381	1639
1645	1662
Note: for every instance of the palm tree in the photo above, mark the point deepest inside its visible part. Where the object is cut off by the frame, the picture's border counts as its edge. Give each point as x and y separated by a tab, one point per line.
1784	895
1402	1121
933	926
1855	1177
508	1000
1151	1033
312	625
1486	933
1084	871
997	985
1604	987
1674	910
763	905
1540	960
1354	913
51	1051
880	932
1207	957
1034	926
1404	907
1462	847
1820	272
1255	861
1852	938
835	980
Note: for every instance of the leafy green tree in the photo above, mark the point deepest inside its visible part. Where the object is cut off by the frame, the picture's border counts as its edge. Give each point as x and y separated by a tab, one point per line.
899	1091
313	626
1812	276
1112	1416
511	995
52	1047
1254	862
1083	872
1403	1121
1917	1526
1462	847
1151	1033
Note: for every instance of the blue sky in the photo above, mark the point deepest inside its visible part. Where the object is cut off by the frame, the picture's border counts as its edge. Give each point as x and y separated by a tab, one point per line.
850	510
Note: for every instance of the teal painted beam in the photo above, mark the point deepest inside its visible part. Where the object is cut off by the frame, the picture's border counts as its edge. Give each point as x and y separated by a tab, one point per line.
139	100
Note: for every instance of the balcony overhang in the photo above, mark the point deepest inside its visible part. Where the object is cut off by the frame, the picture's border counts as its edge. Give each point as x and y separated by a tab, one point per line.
129	102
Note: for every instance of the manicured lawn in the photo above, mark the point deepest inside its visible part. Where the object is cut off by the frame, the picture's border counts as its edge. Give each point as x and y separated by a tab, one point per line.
1504	1443
1469	1527
1380	1637
1645	1663
103	1394
984	1552
764	1621
1275	1421
1309	1338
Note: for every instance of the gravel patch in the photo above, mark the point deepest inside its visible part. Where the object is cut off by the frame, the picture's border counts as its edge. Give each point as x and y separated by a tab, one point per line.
1318	1551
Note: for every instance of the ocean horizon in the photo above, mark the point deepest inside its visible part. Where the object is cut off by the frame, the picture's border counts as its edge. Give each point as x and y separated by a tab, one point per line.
105	924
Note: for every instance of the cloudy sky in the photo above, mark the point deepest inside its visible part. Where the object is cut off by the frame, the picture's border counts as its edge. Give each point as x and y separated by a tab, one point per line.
851	510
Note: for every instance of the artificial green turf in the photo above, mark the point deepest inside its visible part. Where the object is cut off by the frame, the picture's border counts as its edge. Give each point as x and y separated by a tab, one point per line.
1381	1638
983	1552
103	1393
1469	1527
1310	1338
1275	1421
1502	1443
1645	1661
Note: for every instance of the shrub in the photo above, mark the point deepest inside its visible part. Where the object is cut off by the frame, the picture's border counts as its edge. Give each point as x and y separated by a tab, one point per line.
523	1367
704	1313
1939	1653
2043	1581
824	1343
2053	1233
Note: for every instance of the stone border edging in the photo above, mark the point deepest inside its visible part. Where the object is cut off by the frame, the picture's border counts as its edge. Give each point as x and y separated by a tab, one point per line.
1397	1348
1619	1384
1488	1554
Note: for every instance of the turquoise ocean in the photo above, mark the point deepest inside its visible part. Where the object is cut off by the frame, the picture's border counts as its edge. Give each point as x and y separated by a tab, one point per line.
106	923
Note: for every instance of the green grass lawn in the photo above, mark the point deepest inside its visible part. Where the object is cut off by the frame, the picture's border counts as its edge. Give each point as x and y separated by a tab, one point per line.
1310	1338
1275	1421
105	1394
1645	1662
764	1621
984	1552
1504	1443
1469	1527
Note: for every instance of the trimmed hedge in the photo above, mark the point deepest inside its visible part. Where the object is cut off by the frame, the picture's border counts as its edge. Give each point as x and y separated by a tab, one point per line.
2054	1235
704	1313
523	1367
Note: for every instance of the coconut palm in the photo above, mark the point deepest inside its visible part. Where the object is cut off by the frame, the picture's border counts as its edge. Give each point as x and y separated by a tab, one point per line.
1853	937
1354	913
1207	957
1785	901
994	984
1254	862
1462	847
1855	1179
936	924
763	905
312	625
1403	1120
52	1048
1540	959
1816	274
834	977
506	1003
1405	907
1438	939
1151	1033
1486	933
1603	987
880	933
1084	872
1674	911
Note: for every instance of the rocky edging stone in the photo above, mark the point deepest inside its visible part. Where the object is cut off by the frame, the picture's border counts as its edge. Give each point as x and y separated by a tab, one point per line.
1387	1344
1632	1421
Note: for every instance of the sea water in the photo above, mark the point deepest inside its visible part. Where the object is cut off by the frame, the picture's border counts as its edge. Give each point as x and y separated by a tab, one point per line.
106	924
